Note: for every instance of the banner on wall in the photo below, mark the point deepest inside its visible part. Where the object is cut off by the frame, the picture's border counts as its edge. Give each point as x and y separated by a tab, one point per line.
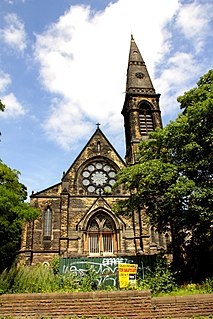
127	275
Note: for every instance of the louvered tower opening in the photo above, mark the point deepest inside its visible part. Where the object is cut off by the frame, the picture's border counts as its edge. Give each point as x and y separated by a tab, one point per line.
145	119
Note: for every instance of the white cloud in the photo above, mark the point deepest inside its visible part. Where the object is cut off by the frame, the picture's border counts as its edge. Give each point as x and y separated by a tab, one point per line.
9	1
14	32
194	21
5	80
83	60
176	79
65	123
14	1
13	108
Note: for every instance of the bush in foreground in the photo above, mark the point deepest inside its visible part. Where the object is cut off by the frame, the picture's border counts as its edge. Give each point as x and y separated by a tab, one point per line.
41	279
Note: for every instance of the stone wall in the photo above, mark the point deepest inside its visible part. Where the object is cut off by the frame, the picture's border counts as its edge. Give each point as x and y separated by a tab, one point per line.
182	306
115	304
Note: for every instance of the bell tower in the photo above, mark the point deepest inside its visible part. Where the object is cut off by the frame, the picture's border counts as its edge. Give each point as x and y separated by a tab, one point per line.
141	107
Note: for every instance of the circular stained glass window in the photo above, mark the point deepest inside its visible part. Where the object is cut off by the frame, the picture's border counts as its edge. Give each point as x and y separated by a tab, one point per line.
98	165
91	168
86	182
107	188
112	174
86	174
91	189
107	168
98	177
112	182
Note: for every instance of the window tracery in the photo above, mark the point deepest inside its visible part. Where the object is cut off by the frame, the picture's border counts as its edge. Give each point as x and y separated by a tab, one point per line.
101	235
98	177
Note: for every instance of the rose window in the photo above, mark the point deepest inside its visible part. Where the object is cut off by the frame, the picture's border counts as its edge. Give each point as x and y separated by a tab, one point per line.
98	177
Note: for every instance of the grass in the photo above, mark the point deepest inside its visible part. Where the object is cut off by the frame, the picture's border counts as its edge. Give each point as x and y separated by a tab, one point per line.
188	289
40	279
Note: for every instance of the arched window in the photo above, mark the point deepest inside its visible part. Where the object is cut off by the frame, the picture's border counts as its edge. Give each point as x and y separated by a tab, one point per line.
145	119
101	235
98	146
153	239
160	237
167	242
47	224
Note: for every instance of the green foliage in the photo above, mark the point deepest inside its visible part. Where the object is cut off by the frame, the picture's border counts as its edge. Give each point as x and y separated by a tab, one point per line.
173	181
205	287
13	212
2	106
40	279
68	282
7	279
55	265
88	281
162	279
208	285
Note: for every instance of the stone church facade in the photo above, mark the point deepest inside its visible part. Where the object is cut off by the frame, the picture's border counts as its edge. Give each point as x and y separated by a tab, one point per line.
76	215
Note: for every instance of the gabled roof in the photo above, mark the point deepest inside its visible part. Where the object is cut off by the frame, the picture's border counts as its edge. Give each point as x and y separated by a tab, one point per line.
97	131
57	187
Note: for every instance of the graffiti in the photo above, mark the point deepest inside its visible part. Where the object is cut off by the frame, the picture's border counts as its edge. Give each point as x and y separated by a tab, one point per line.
115	261
105	268
107	274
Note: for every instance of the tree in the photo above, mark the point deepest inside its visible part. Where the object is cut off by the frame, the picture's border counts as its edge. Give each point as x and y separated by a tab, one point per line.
173	180
1	106
13	212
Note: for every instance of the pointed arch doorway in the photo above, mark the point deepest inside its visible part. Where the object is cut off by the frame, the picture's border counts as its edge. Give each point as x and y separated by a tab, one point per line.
101	235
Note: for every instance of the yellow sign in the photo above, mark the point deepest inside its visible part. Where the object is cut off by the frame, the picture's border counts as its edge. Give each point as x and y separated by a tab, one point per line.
127	275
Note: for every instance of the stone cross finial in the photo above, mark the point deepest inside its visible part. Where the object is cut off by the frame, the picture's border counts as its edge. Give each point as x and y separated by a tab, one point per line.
98	124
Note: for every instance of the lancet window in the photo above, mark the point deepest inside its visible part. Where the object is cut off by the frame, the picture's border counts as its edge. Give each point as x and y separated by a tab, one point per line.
47	223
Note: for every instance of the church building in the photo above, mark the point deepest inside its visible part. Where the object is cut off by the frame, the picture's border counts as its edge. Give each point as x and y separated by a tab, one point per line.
76	215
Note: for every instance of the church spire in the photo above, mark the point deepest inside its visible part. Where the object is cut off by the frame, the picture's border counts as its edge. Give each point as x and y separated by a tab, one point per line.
141	107
138	79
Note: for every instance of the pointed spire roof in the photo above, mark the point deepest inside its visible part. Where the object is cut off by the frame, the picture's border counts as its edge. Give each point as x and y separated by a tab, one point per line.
138	79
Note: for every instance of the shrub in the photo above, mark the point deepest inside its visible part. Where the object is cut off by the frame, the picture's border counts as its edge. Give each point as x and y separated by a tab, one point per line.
7	279
36	279
162	279
68	282
55	265
208	285
89	279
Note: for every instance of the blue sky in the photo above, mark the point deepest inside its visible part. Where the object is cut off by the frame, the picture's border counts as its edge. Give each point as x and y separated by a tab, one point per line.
63	69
